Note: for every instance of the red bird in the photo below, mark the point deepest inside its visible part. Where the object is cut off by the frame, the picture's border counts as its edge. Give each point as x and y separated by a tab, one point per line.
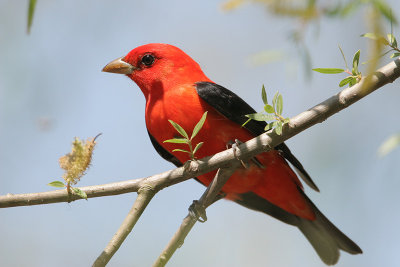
176	89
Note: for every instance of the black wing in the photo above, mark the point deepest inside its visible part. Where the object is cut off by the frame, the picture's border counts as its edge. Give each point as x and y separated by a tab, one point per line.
163	152
234	108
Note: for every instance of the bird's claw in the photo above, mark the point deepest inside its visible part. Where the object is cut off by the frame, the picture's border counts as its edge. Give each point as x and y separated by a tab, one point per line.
246	165
234	145
198	211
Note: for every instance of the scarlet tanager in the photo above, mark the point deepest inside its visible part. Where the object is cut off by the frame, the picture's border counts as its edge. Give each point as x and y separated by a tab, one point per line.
176	89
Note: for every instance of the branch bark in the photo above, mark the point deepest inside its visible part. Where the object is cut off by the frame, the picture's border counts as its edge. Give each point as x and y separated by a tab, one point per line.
145	194
259	144
189	221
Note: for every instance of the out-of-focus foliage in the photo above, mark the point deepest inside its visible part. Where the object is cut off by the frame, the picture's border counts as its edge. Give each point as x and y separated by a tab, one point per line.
31	11
309	12
389	145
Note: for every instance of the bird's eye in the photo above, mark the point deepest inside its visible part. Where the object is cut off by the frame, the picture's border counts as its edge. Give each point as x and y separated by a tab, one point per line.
148	60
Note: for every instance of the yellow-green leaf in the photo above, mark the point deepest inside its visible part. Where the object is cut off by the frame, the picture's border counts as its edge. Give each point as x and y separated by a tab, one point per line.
279	104
79	192
278	128
385	10
394	55
269	109
176	141
31	11
198	146
328	70
199	125
244	124
179	129
261	117
264	95
57	184
356	60
346	81
375	37
181	150
391	143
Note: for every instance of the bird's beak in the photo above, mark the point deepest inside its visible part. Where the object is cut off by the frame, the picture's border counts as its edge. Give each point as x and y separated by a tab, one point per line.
119	66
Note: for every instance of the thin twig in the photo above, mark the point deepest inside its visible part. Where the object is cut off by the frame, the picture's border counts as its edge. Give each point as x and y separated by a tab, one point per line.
145	194
251	148
189	221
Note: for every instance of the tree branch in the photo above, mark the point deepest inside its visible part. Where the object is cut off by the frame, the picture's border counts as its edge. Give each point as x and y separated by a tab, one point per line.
206	199
247	150
145	194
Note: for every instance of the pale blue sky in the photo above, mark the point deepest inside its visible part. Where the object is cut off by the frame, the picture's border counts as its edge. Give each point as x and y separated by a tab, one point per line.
52	89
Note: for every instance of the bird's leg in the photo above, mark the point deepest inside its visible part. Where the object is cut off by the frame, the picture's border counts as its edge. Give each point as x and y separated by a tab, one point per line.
234	145
198	211
244	164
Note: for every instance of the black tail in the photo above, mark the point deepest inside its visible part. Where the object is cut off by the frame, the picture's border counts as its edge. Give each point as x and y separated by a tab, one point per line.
326	239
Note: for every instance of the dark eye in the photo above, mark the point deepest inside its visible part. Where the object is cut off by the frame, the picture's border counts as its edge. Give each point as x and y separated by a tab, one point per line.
148	60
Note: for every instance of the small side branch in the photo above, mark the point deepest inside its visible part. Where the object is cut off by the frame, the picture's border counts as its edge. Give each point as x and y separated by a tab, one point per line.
189	221
145	194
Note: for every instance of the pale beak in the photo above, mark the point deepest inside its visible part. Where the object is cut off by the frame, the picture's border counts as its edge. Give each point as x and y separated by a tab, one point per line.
119	66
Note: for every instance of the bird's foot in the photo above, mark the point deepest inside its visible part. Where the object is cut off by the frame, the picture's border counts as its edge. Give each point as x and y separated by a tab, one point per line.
198	211
246	165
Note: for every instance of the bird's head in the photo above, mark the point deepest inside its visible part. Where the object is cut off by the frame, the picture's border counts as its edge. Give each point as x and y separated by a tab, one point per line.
153	66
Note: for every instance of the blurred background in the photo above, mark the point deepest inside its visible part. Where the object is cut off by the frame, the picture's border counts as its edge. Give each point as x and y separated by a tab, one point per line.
52	89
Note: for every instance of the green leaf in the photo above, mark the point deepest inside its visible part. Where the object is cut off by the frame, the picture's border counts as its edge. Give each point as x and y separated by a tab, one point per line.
392	40
385	10
328	70
391	143
279	105
197	147
264	95
394	43
181	150
31	11
350	7
246	122
352	82
344	58
79	192
394	55
177	141
57	184
375	37
271	125
199	125
261	117
179	129
274	100
286	120
278	128
268	126
269	109
356	60
346	81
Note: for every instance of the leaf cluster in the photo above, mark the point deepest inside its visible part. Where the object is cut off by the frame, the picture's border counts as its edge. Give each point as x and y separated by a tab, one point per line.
185	137
390	41
355	75
272	114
